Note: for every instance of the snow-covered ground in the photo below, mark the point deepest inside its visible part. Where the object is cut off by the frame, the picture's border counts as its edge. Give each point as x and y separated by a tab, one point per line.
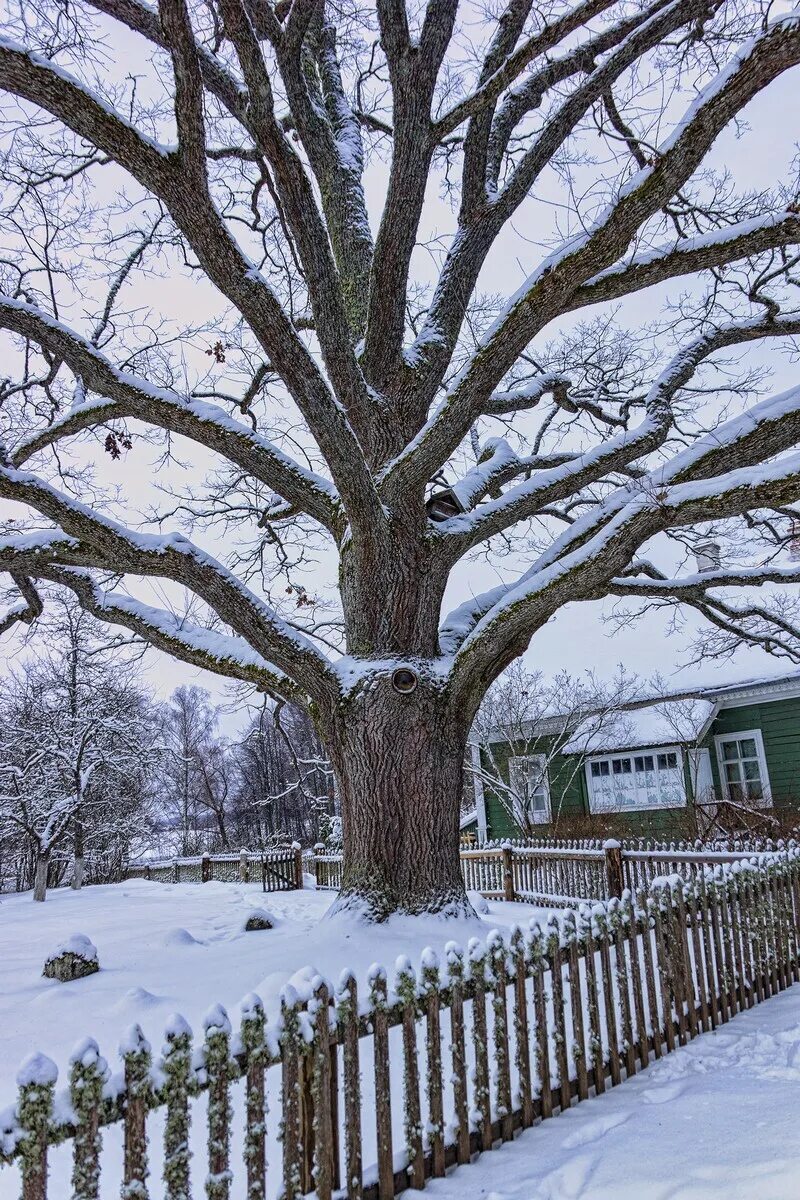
166	948
717	1120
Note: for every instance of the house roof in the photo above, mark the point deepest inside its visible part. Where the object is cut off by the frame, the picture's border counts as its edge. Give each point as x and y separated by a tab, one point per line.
666	717
666	724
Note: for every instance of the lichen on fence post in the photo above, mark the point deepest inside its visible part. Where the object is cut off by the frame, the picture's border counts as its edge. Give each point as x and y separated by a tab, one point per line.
497	966
433	1043
255	1053
321	1091
521	1032
218	1068
176	1068
576	1005
135	1051
406	988
623	985
455	974
476	953
347	1015
595	1044
291	1125
537	958
36	1080
559	1023
383	1090
88	1073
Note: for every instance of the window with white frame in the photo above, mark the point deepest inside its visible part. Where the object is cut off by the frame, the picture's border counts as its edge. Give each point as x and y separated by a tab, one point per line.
636	780
528	778
743	767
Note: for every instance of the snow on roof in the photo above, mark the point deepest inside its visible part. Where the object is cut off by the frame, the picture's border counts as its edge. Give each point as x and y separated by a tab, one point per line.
665	724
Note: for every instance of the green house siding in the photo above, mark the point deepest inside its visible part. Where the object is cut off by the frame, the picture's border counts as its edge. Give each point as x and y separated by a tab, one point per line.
779	722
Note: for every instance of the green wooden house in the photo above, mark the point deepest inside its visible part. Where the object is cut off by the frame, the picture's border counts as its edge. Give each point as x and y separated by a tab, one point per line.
707	760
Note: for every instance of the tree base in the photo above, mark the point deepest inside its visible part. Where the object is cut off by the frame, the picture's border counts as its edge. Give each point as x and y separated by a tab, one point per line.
374	907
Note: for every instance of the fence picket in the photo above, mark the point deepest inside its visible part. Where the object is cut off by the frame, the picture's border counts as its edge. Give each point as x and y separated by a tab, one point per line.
537	954
455	974
497	967
383	1100
433	1044
252	1035
406	988
347	1015
576	1005
135	1052
176	1067
480	1041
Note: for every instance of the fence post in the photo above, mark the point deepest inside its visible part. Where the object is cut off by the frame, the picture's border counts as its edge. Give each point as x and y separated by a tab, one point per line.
205	867
319	848
614	875
36	1080
508	872
298	866
244	867
175	871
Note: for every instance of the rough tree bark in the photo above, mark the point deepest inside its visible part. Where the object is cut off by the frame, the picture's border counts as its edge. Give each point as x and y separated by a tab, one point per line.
398	760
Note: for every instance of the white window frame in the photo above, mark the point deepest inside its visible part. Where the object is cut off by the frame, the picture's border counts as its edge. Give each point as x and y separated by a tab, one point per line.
740	735
523	763
638	752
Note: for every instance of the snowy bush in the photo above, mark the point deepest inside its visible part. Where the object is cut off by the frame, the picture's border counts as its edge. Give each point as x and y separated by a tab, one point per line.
259	918
73	959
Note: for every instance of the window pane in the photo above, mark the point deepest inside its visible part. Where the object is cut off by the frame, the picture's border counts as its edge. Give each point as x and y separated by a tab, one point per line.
672	762
755	791
747	748
732	772
730	750
596	769
604	768
751	770
638	764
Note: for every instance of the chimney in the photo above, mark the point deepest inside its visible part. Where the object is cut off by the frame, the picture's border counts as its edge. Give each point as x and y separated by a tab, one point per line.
708	557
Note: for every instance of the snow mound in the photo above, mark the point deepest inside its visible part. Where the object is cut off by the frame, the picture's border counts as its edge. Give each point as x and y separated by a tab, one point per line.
180	937
479	903
137	997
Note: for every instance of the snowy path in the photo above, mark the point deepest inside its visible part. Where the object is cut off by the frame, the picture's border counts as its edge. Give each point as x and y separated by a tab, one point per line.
168	948
716	1120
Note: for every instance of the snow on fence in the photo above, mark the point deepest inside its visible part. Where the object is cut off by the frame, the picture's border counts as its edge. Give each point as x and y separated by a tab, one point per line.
279	870
561	876
374	1093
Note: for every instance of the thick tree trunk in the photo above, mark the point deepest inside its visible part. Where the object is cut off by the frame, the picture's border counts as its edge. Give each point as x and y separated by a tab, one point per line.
40	878
399	766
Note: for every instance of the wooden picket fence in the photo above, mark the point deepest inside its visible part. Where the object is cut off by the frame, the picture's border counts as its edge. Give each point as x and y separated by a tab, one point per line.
371	1094
278	870
562	876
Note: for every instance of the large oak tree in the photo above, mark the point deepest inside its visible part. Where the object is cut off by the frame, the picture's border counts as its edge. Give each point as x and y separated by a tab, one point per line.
346	181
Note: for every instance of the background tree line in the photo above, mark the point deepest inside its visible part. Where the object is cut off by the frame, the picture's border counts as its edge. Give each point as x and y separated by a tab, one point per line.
96	769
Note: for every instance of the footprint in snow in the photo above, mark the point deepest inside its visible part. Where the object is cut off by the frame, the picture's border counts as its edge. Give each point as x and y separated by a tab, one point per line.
569	1181
592	1131
663	1094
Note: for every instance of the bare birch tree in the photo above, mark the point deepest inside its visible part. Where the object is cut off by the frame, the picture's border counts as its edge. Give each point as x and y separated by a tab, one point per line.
281	170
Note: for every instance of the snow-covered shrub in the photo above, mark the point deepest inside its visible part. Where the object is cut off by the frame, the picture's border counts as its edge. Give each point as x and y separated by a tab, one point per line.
73	959
259	918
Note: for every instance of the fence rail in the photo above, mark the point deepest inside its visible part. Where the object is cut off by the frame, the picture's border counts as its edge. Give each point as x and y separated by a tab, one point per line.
564	876
278	870
366	1098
